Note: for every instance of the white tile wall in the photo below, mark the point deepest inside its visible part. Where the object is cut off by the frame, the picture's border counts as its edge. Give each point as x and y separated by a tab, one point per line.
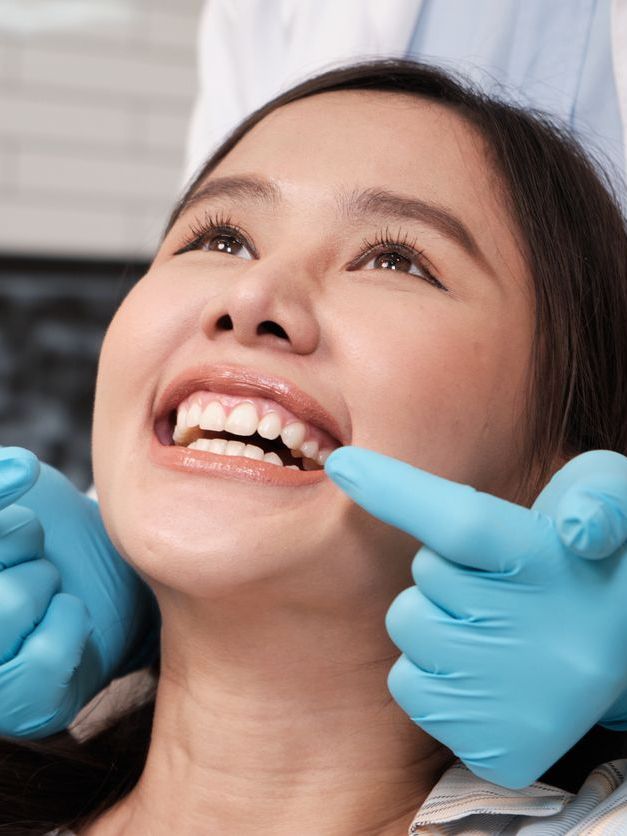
58	226
93	120
112	179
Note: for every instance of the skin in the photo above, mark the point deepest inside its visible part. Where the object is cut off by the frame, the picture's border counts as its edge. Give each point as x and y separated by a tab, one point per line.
272	704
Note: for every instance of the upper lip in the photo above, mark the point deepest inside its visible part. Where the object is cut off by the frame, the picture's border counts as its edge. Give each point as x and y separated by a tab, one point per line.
239	380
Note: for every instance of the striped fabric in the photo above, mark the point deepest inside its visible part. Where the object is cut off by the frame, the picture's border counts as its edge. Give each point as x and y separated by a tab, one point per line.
462	803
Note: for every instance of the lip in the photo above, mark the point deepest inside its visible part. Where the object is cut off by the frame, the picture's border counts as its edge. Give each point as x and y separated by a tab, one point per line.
239	380
231	467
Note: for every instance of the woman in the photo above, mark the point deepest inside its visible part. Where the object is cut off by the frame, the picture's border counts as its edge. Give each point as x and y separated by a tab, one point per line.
376	226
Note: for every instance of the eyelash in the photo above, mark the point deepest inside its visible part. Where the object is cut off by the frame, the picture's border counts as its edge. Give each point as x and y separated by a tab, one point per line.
218	224
384	242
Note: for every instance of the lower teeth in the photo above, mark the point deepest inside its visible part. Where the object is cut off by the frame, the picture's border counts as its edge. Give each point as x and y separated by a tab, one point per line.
221	446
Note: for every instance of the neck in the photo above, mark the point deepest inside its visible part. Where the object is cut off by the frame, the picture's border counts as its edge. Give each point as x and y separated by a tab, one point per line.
279	717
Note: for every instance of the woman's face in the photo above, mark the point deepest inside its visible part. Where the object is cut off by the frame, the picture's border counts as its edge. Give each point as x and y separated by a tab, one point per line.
419	355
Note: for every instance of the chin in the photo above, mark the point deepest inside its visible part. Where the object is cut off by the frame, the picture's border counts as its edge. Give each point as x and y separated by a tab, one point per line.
202	551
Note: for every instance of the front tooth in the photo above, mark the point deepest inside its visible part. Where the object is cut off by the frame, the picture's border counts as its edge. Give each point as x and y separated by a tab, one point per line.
234	448
294	434
243	420
193	415
309	449
213	417
273	459
251	451
270	426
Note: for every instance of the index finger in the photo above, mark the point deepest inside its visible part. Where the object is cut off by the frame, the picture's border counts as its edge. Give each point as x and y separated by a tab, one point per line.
19	470
464	525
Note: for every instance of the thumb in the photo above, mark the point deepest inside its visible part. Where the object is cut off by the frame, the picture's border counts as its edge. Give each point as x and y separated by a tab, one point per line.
591	517
19	470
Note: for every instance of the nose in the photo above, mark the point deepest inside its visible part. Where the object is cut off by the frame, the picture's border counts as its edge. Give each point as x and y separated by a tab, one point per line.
266	306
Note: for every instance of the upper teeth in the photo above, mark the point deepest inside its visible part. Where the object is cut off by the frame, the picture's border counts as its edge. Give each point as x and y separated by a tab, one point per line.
243	419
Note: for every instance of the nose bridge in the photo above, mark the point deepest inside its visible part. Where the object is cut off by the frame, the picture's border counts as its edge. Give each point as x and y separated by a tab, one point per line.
271	301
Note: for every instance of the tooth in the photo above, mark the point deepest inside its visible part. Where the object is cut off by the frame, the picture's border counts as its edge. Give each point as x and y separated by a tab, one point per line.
292	467
234	448
309	449
270	426
181	417
180	431
272	458
193	415
294	434
217	445
323	455
297	454
213	417
183	436
200	444
243	420
251	451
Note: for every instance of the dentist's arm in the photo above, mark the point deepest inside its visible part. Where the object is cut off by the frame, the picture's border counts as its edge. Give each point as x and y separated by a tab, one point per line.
73	615
513	636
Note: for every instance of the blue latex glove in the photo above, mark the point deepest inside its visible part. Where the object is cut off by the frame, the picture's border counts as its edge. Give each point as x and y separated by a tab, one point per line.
71	622
513	644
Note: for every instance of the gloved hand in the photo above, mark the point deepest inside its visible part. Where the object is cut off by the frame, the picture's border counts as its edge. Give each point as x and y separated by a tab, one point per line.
513	643
59	648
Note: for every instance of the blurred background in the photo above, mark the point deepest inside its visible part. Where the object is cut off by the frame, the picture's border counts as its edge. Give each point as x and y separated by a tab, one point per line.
95	102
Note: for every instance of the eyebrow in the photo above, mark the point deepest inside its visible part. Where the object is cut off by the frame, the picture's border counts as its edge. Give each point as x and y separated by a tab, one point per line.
240	188
355	205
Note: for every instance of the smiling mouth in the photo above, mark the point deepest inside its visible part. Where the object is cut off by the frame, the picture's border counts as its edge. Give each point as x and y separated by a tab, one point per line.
255	447
249	427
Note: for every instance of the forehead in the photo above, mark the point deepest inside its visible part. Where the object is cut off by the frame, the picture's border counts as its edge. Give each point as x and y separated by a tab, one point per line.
369	138
341	140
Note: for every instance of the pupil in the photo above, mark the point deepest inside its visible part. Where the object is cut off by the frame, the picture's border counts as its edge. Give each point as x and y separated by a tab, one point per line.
392	259
225	245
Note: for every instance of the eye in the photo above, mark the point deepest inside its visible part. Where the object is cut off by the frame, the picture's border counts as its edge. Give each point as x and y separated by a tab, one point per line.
218	234
393	260
393	253
223	242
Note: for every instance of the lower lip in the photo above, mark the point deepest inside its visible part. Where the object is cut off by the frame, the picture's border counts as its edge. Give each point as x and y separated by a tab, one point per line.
231	467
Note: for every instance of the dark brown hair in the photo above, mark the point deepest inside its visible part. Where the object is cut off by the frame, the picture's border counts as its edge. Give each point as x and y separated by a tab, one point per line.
575	245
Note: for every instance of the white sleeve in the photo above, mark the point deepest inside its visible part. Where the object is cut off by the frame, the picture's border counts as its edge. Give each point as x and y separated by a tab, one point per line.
251	50
241	46
619	59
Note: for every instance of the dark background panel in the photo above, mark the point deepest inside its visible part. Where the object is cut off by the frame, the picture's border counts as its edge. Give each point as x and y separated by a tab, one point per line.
53	316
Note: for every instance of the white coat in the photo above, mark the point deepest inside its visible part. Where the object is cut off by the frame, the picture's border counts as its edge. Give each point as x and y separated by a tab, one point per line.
250	50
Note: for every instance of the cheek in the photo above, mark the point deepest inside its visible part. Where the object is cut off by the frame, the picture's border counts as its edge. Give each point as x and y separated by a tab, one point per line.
141	335
444	389
138	342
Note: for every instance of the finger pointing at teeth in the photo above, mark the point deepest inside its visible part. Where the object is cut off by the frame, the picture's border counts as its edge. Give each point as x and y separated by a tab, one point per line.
462	524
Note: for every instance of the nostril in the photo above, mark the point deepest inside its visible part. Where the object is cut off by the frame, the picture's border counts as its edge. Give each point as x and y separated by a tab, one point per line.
269	327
